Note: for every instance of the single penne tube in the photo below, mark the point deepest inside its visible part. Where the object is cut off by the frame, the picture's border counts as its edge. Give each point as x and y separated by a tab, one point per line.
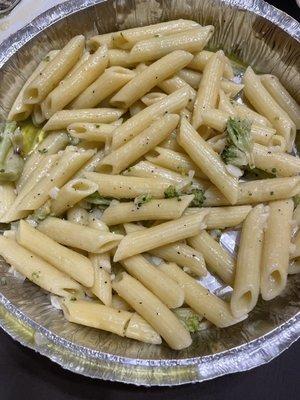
192	40
265	104
71	87
121	158
102	285
37	270
71	193
200	299
200	60
174	83
208	91
145	169
136	124
243	111
275	254
96	315
78	215
68	261
218	260
62	119
143	82
92	132
7	198
180	253
127	38
139	329
174	161
280	164
223	217
19	110
127	187
225	103
165	233
58	175
282	97
165	209
208	161
80	237
53	143
91	164
110	81
152	310
156	281
100	261
259	191
246	287
42	168
55	71
264	135
191	77
152	98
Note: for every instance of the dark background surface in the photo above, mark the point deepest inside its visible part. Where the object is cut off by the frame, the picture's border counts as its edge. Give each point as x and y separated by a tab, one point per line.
27	375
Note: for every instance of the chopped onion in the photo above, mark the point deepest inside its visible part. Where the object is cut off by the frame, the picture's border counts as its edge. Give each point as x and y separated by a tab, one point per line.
234	171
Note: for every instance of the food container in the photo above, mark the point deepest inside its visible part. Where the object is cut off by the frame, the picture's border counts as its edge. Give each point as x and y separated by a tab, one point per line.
253	32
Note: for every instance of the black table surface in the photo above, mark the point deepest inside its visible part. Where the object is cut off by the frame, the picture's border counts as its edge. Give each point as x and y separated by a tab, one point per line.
25	374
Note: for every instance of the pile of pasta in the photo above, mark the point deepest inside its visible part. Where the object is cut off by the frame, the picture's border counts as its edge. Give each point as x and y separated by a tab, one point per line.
152	148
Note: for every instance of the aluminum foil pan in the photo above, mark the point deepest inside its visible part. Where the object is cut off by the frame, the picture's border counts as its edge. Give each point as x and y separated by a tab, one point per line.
257	34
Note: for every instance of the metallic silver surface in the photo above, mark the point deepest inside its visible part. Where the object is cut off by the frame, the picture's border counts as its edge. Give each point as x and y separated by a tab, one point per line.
257	34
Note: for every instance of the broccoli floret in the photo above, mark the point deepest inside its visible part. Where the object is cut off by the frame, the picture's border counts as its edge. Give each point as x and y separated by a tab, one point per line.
232	155
239	135
11	163
97	199
171	192
189	319
142	199
198	199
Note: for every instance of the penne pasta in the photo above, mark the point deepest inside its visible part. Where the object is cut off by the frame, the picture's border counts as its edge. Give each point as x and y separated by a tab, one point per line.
180	253
92	132
247	276
242	111
62	119
71	87
78	215
209	87
208	161
152	310
282	97
112	79
152	98
138	211
68	261
143	82
168	232
264	103
38	271
218	260
201	300
55	71
192	40
275	254
124	156
72	193
200	60
58	175
139	329
155	280
19	110
136	124
127	187
91	164
225	104
80	237
7	199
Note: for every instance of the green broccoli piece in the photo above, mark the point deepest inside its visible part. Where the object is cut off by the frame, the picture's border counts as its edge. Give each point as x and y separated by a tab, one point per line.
97	199
239	134
31	136
189	319
199	197
232	155
142	199
11	163
171	192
